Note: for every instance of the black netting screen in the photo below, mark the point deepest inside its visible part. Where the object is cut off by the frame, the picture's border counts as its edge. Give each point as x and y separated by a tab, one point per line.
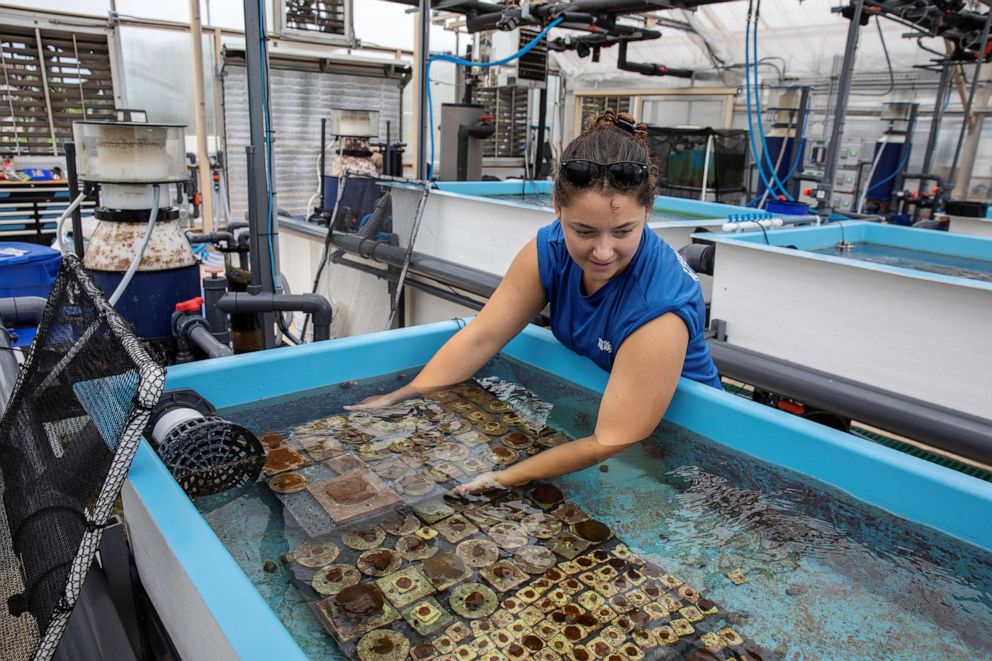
680	155
67	438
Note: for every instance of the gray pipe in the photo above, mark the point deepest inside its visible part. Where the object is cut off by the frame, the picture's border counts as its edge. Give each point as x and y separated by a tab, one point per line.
963	434
199	334
370	248
190	327
315	304
467	278
214	289
15	311
9	368
212	237
22	310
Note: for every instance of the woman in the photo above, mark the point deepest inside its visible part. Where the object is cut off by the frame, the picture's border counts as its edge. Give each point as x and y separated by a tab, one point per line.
618	295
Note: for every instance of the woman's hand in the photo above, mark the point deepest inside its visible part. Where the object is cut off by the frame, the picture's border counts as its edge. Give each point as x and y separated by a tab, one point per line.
485	482
381	401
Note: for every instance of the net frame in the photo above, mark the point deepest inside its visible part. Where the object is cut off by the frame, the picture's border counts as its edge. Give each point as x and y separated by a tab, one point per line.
372	270
74	283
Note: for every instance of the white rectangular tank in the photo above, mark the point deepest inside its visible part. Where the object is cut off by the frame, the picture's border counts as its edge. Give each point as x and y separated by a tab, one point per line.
970	226
917	333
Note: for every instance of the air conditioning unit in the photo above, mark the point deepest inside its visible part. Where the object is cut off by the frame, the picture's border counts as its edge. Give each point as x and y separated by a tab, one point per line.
527	71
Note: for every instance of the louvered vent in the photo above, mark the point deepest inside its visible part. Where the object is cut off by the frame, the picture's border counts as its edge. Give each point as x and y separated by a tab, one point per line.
534	64
317	16
79	86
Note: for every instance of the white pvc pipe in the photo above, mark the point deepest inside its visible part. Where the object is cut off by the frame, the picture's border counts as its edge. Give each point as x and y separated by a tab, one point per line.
65	214
170	421
871	173
126	280
748	225
706	167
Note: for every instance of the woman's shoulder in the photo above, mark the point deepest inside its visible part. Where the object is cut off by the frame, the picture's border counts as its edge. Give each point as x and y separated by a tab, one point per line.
662	273
551	242
550	232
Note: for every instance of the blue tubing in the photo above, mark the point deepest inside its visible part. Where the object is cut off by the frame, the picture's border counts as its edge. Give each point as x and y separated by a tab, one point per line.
750	119
761	125
468	63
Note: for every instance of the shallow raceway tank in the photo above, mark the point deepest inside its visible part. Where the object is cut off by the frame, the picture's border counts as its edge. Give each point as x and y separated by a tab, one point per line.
901	308
800	539
483	225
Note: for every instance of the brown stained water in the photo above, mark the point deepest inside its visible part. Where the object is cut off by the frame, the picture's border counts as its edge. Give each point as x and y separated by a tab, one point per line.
825	575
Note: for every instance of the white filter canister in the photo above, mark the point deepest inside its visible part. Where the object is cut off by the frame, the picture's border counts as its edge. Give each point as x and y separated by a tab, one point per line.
130	153
131	196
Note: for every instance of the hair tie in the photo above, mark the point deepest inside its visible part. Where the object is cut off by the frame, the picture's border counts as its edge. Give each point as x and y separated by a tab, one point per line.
624	121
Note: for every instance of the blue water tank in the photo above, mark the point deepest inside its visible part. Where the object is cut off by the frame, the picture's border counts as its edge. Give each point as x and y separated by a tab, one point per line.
27	269
151	297
776	145
883	181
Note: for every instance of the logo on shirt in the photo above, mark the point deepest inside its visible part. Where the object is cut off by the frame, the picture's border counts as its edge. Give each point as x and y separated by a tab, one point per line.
604	345
685	267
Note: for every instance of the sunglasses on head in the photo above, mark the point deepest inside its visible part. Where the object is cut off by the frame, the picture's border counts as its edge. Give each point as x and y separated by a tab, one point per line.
622	174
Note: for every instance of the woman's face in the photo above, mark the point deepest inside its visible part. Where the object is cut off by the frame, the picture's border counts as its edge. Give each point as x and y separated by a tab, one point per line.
602	233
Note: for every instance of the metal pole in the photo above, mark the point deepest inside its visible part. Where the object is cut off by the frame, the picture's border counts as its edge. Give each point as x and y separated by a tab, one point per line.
825	191
971	98
323	159
542	122
794	183
200	119
424	18
914	112
943	86
261	211
69	148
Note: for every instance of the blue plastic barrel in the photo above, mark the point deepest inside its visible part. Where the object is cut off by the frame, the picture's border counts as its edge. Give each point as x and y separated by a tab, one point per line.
27	269
786	208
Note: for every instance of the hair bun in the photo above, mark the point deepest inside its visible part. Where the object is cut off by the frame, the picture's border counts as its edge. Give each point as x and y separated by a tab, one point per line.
610	118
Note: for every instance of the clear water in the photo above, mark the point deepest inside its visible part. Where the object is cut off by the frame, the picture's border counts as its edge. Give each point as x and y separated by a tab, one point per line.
828	576
544	200
931	262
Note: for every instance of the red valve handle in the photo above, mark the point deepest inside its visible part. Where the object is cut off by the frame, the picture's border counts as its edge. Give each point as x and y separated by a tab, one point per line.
192	305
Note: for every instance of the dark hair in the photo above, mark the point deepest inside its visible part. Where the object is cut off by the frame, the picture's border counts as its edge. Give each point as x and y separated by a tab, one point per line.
609	138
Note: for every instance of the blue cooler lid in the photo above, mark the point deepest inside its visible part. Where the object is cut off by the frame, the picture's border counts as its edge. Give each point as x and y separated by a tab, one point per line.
15	253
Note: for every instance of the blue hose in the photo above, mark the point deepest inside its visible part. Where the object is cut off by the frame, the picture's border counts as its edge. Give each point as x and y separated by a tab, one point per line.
760	122
792	170
750	119
895	173
468	63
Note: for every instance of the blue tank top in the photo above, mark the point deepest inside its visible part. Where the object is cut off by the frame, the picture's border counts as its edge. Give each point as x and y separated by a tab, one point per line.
656	281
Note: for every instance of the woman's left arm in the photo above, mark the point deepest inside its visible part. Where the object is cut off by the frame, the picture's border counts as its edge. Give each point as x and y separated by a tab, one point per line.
644	377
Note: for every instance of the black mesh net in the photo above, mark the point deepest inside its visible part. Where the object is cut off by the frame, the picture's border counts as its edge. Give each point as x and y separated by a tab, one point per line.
680	155
67	439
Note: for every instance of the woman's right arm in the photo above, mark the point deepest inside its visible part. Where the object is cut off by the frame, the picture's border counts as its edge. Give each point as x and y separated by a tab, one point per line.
517	300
